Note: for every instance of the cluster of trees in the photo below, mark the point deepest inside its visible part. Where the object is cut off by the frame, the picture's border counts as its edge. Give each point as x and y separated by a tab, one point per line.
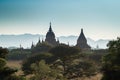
40	47
64	63
111	61
61	62
21	54
18	54
7	73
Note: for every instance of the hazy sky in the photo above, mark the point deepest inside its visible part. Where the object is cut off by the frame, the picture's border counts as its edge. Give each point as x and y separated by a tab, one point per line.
98	18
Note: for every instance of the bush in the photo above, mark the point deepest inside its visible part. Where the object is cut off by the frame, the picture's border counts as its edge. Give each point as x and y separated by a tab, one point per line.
34	59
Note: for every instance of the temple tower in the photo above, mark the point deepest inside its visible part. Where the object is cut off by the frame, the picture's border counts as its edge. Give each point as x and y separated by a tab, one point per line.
82	42
50	37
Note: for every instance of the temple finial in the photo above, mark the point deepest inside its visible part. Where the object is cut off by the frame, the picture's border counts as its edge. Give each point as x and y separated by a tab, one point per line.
68	44
50	23
32	45
58	40
20	46
39	40
50	29
82	30
42	39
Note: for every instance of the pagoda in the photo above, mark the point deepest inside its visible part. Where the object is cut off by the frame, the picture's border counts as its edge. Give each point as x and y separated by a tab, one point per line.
82	42
50	37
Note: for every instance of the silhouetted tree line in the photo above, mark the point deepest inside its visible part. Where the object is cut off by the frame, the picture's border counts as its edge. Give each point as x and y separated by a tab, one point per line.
18	54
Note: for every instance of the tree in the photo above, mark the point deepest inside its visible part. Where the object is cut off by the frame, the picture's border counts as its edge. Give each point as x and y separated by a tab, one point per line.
62	62
83	68
18	54
42	71
34	59
3	52
62	51
7	73
66	54
41	47
111	61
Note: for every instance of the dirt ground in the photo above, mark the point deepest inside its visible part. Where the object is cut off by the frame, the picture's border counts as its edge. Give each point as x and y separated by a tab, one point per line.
16	65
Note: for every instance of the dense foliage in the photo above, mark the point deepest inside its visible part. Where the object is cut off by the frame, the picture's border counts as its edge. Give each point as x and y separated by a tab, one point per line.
42	71
18	54
40	47
61	62
7	73
34	59
111	61
21	54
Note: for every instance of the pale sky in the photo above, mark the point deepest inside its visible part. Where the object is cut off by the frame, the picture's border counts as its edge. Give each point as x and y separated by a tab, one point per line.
100	19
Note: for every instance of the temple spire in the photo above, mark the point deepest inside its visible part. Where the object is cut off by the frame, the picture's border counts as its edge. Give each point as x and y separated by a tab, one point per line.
82	30
32	42
32	45
42	40
68	44
50	37
39	40
58	40
50	29
82	41
82	34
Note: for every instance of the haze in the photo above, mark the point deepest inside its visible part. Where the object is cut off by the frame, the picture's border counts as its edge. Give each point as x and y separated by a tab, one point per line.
100	19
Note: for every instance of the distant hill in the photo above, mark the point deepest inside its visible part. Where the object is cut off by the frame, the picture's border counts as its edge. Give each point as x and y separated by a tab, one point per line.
13	41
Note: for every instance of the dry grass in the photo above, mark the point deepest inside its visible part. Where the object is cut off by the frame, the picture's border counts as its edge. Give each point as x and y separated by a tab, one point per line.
96	77
17	65
14	64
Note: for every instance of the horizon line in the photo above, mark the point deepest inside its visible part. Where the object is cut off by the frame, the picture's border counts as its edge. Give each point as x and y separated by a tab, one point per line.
57	36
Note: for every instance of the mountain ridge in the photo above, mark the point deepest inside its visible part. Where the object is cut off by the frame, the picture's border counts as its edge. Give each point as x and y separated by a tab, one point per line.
26	40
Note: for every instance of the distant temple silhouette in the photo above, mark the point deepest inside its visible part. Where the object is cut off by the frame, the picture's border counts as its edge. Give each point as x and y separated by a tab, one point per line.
50	37
51	40
82	42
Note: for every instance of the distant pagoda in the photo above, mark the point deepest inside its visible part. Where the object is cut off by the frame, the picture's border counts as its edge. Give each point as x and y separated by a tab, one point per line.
50	37
82	42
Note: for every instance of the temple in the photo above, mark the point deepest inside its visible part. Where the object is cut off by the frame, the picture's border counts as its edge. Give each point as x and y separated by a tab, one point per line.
82	42
50	37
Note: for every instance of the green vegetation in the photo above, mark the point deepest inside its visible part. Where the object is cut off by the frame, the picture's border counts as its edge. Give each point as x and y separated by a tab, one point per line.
64	62
61	62
111	61
7	73
21	54
35	59
41	47
18	54
42	71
